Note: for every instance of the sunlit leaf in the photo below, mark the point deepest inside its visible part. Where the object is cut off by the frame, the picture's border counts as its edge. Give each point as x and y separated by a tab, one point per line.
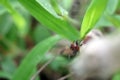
93	13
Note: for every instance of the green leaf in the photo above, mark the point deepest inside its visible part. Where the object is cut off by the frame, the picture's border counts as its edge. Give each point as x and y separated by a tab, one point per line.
60	26
18	19
28	65
93	13
115	20
117	76
5	75
66	4
40	30
2	10
57	8
8	65
118	5
47	6
5	24
53	7
109	11
103	22
57	64
112	6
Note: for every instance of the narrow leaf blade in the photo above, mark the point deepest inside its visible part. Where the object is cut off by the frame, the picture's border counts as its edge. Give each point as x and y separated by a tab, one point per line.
58	25
28	65
92	15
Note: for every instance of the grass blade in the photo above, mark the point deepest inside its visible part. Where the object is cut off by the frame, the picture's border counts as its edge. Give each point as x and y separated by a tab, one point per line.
47	6
93	13
60	26
28	65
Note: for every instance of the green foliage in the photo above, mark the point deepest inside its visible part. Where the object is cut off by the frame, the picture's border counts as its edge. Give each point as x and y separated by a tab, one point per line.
93	14
47	6
19	32
5	24
58	25
8	66
2	10
5	75
58	64
40	33
109	11
115	20
18	19
28	65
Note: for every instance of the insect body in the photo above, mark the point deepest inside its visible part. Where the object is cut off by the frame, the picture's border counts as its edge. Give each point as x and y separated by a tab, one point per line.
74	47
72	50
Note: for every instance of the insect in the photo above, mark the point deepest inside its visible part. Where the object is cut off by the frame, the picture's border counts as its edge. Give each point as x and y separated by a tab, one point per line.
74	47
72	50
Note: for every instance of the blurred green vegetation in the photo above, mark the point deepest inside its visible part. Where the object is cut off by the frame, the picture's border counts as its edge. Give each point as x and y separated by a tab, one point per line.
31	28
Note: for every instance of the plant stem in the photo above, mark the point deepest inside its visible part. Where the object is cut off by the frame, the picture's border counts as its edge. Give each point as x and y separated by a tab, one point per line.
43	67
64	77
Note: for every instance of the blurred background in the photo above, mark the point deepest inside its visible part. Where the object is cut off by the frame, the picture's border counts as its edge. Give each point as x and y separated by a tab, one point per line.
20	32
